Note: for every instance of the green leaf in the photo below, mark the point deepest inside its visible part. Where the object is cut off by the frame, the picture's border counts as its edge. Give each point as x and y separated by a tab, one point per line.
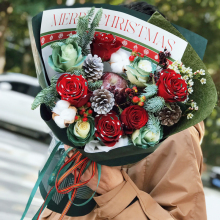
57	44
77	140
168	106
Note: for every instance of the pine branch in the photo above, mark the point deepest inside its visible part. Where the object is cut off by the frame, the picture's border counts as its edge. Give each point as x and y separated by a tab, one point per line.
84	34
150	91
155	104
90	14
153	124
93	26
47	96
83	26
95	85
79	72
72	38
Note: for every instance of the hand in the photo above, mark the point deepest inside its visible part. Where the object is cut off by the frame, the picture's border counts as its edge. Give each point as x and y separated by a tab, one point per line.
111	177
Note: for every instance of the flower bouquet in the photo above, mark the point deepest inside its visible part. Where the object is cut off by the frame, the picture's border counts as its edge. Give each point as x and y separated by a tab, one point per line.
114	100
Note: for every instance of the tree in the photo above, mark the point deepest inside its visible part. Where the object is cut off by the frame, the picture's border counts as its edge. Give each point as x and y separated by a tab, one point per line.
14	33
4	12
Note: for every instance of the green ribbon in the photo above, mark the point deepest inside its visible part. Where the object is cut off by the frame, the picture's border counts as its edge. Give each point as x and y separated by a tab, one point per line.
51	181
40	177
52	178
43	206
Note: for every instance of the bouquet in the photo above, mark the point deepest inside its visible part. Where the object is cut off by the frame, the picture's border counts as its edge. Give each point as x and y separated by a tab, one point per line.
112	104
131	104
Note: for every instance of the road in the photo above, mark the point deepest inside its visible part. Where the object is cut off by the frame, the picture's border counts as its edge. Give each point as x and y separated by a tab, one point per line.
21	158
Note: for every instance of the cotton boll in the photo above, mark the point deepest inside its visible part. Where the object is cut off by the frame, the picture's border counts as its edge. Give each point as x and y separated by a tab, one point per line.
126	62
62	104
123	55
117	67
56	110
115	57
119	61
68	114
59	121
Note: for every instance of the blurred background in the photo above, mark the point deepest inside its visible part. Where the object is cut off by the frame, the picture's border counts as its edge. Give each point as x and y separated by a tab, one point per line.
24	138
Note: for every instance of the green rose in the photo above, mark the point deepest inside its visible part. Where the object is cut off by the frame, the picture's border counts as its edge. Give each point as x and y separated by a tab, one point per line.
139	71
80	133
144	137
66	57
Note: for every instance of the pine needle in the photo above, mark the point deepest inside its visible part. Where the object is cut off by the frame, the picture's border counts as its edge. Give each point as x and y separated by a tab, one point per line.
47	96
95	85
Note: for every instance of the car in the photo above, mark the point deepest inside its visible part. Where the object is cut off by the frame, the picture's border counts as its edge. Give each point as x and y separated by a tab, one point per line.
215	177
17	93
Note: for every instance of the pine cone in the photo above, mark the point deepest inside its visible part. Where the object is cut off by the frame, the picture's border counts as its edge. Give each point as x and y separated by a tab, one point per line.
102	101
93	68
170	117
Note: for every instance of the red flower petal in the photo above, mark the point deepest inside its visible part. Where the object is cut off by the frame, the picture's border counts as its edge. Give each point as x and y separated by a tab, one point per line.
104	45
134	117
171	86
73	89
108	128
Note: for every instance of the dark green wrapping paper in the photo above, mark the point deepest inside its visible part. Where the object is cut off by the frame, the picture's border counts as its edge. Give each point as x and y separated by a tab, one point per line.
204	95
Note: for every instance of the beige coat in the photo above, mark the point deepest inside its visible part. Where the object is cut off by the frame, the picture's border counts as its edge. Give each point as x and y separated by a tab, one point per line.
167	185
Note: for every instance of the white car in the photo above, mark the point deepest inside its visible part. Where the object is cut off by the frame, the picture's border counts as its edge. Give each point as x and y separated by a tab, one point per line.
17	93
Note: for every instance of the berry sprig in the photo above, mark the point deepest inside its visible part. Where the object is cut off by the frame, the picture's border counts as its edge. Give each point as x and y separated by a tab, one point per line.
84	112
134	54
139	101
163	55
136	100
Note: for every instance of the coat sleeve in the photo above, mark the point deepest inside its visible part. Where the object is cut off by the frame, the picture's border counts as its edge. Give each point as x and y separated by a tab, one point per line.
127	202
164	186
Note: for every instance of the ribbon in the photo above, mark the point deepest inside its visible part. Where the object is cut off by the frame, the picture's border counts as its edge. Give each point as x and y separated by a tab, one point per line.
40	177
77	165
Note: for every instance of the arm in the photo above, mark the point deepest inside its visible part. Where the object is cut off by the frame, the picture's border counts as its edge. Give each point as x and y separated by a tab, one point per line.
169	187
127	202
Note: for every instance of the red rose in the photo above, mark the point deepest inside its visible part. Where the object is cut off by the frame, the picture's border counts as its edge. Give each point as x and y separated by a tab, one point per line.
171	86
134	117
108	128
104	45
73	89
